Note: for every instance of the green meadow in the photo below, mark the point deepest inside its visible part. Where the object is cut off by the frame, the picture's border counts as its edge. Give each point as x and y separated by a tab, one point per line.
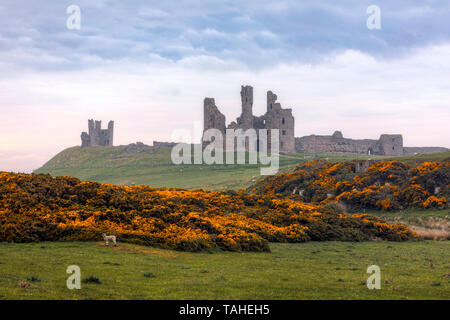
314	270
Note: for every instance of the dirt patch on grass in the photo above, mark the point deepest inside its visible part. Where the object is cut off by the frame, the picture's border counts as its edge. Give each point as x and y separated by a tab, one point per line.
432	233
432	228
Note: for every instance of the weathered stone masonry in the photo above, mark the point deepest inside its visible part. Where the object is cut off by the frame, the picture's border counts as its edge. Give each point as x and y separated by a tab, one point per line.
388	144
274	118
97	136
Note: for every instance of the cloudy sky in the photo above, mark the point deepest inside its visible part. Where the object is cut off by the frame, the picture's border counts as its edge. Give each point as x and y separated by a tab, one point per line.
149	64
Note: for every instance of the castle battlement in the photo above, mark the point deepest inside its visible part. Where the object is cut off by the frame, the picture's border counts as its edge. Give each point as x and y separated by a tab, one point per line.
96	136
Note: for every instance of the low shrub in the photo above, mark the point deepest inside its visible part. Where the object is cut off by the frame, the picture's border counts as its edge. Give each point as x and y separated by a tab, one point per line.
91	279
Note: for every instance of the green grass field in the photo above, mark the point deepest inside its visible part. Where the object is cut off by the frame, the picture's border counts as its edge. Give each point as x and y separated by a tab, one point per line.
325	270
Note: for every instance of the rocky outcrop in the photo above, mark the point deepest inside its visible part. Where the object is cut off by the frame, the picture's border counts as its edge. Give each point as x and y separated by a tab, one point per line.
138	147
160	144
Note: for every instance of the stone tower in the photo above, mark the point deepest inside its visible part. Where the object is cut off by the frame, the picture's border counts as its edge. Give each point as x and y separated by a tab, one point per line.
271	98
391	144
97	136
212	117
282	119
246	119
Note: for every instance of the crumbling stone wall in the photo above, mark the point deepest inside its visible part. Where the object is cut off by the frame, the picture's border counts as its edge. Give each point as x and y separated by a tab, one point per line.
138	147
390	145
245	121
163	144
97	136
278	118
212	117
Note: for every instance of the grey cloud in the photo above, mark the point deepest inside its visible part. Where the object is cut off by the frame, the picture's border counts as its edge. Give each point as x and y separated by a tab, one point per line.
256	33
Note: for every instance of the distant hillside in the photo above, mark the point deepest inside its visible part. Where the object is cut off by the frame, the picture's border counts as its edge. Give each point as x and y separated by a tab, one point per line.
117	166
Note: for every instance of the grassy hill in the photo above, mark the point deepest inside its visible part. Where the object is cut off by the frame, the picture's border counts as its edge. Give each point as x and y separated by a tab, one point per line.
114	165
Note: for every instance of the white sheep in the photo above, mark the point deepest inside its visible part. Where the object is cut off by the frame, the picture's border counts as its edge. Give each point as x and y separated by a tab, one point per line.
108	238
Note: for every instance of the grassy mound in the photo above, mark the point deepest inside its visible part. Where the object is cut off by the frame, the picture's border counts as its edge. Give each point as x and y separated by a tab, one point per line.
114	165
386	185
39	207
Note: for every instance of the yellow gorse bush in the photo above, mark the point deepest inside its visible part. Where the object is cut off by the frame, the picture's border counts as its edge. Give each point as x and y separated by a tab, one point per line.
386	185
40	207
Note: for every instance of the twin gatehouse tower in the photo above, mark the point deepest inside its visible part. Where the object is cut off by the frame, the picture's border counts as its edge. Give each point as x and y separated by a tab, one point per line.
275	118
96	136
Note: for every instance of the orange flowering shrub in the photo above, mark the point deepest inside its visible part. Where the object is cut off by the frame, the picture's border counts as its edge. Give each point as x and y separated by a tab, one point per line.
386	185
39	207
433	201
381	228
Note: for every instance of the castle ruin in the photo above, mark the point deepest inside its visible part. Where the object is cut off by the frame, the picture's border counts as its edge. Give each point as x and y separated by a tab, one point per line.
278	118
275	118
97	136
